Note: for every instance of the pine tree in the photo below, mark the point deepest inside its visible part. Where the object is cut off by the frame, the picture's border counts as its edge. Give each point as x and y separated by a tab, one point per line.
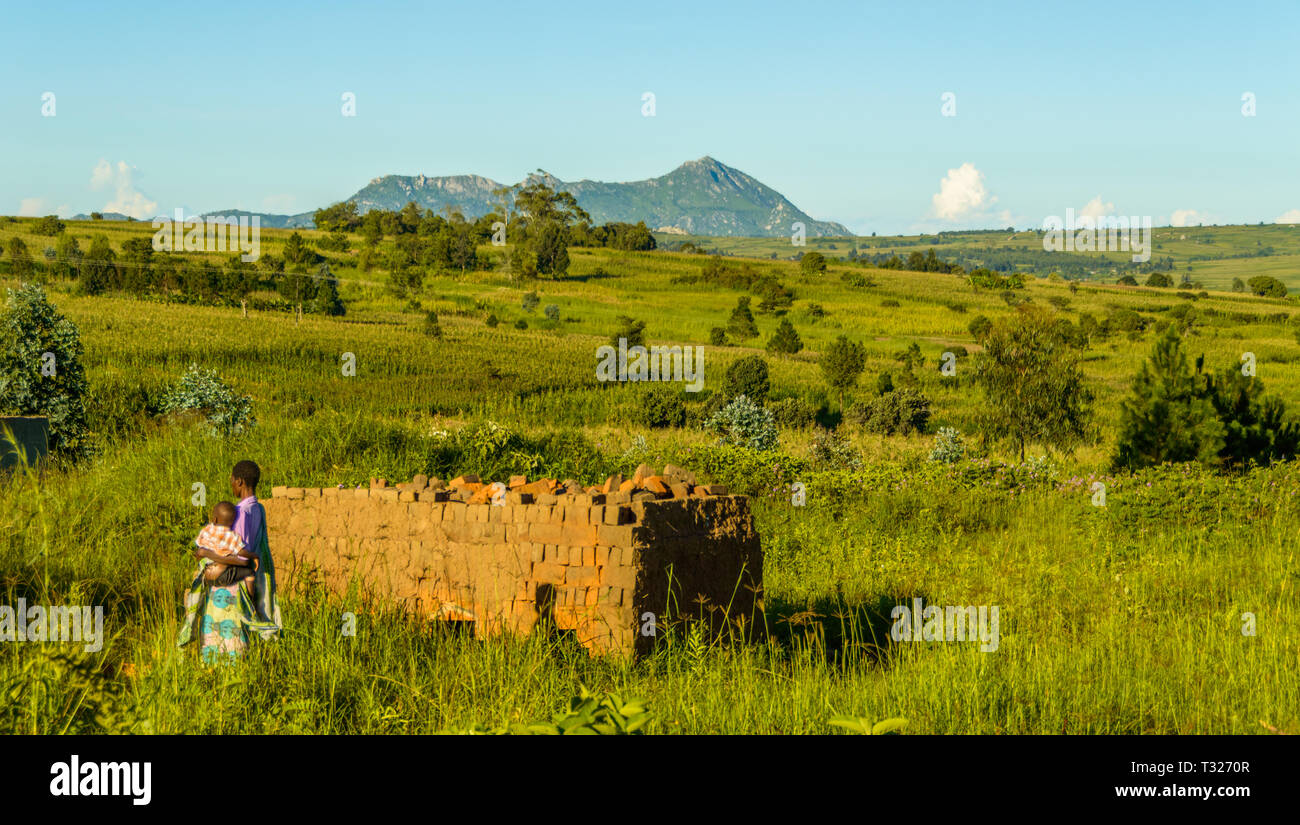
741	324
841	364
785	339
327	300
1170	416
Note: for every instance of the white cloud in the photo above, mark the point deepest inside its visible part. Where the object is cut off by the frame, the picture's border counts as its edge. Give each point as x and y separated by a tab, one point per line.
126	198
32	208
1188	217
1095	209
1290	216
962	193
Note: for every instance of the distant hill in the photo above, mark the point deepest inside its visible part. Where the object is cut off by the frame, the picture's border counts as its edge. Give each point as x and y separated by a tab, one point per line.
703	197
302	220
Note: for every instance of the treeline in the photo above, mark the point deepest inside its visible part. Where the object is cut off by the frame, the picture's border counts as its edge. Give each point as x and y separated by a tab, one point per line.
536	224
139	270
1067	264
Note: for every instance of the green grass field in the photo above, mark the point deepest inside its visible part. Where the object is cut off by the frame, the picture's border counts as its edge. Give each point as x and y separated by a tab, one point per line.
1119	619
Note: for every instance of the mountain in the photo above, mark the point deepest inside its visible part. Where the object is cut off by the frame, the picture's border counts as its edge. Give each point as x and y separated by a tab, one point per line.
700	197
108	216
303	220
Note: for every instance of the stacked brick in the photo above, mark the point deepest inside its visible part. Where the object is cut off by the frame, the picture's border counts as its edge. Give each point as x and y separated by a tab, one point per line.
593	560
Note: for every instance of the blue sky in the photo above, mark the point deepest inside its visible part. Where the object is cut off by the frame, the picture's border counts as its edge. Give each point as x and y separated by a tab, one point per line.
1112	108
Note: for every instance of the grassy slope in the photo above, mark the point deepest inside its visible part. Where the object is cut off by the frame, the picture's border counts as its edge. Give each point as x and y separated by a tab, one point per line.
1104	628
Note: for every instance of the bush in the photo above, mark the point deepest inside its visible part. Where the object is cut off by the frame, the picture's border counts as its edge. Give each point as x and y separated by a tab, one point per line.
948	446
204	392
1159	279
552	312
663	407
431	326
718	337
521	324
830	450
900	411
631	330
889	303
743	423
748	377
492	319
41	370
792	413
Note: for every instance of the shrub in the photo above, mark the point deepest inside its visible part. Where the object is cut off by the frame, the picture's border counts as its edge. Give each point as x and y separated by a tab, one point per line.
900	411
741	324
792	413
748	377
204	392
830	450
663	407
1159	279
552	312
979	327
718	337
531	300
632	330
431	326
889	303
743	423
948	446
521	324
41	370
492	319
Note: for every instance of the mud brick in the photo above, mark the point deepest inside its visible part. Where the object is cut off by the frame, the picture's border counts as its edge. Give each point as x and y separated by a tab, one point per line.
617	515
436	483
701	491
581	534
361	492
716	489
612	484
589	499
548	499
602	556
558	514
293	492
571	555
330	492
478	513
311	492
278	492
381	483
552	554
433	495
420	482
627	556
643	495
519	499
680	490
591	594
389	493
616	536
577	514
463	481
536	488
627	486
517	481
672	473
617	498
619	577
455	512
537	552
589	556
656	485
408	494
548	573
481	495
643	471
546	533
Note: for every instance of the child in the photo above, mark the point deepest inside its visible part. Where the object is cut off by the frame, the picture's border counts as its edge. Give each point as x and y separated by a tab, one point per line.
220	540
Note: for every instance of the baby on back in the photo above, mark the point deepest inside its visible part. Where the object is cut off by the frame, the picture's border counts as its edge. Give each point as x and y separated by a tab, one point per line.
219	539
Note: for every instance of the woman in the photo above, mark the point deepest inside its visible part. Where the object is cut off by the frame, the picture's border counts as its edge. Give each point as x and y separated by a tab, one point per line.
221	617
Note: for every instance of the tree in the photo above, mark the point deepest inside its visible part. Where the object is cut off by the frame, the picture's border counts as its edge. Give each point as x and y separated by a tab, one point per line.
327	300
1159	279
979	327
785	339
431	326
1238	285
1177	414
99	269
747	376
741	324
813	262
20	260
630	330
531	300
1032	382
549	242
842	363
1267	286
41	370
50	225
296	250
